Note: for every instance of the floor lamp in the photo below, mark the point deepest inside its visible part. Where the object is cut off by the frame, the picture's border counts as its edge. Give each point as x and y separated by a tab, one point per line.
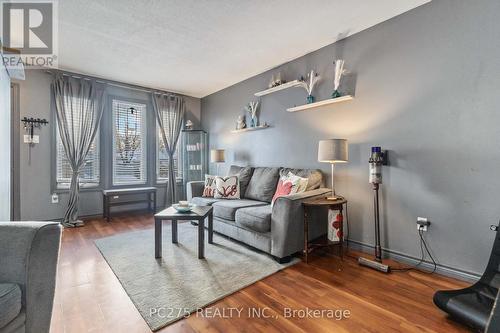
333	151
217	157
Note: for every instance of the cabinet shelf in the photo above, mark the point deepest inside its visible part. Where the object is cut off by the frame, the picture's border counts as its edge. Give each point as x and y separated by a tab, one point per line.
320	103
283	86
248	129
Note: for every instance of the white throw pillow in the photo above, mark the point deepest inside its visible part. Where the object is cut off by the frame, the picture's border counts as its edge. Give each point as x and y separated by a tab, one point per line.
227	187
209	190
299	183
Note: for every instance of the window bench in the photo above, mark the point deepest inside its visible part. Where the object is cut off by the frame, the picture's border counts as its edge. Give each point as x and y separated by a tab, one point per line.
112	198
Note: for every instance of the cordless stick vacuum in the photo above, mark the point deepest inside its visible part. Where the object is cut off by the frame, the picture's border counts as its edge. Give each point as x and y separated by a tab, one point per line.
376	161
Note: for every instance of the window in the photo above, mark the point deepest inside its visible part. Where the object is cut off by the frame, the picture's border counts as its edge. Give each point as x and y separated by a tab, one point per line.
129	143
89	177
162	158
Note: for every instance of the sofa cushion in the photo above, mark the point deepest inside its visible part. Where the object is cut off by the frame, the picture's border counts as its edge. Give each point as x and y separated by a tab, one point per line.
202	201
10	302
226	209
255	218
244	174
314	175
263	184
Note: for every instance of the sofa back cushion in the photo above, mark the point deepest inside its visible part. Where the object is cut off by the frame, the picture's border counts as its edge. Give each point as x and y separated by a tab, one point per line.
314	176
244	174
263	184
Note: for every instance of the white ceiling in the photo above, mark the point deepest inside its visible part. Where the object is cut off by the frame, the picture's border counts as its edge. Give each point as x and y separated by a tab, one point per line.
197	47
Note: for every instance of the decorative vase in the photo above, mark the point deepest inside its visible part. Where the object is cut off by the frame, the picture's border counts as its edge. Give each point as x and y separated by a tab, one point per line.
336	94
252	123
310	99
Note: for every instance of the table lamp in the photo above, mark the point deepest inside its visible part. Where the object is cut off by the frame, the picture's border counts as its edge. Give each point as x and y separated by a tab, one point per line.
333	151
217	157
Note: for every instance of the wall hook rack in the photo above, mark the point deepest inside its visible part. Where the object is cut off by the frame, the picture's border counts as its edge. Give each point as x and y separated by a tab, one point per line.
31	123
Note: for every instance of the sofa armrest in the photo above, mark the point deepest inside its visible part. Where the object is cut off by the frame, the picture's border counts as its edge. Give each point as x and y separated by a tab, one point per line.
194	189
28	256
287	222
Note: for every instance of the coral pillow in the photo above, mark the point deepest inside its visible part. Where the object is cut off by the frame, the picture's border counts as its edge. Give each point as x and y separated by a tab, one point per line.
209	190
227	188
284	188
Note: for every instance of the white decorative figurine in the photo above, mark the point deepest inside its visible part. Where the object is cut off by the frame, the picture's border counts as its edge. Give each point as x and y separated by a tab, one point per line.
240	124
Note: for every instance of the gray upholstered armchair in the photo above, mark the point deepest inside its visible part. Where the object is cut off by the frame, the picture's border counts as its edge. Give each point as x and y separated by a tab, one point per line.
28	264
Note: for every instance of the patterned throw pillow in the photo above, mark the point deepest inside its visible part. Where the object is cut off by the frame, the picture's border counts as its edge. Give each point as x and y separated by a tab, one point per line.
300	183
284	188
209	190
227	187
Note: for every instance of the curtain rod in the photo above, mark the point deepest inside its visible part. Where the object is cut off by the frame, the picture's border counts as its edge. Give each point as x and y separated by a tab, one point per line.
114	83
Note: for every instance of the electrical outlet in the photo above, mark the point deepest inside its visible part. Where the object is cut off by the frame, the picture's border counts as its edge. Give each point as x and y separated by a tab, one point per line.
423	223
421	227
55	198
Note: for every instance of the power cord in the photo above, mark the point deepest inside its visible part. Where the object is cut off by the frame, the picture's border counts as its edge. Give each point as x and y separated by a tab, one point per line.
423	245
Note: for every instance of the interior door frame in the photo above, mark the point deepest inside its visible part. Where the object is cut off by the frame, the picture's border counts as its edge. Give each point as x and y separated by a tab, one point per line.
15	167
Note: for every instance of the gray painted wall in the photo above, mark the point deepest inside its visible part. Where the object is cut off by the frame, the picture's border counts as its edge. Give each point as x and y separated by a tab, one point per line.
35	178
427	86
5	133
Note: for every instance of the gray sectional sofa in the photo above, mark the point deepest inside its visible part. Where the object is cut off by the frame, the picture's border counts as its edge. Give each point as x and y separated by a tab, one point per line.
277	230
29	253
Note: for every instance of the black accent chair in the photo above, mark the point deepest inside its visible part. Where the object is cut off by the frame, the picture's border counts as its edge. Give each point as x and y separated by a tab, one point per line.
473	306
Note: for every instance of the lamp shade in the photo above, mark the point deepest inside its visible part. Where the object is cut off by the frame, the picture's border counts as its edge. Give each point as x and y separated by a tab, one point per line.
333	151
217	156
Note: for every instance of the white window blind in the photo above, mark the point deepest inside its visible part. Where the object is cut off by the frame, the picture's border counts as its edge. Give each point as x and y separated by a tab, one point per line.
162	158
89	177
129	143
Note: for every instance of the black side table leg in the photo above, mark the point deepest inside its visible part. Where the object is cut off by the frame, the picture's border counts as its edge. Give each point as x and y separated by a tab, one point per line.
174	231
108	217
201	238
158	233
103	206
210	228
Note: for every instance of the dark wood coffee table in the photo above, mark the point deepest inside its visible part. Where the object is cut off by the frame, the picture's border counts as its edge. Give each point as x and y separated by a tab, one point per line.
198	213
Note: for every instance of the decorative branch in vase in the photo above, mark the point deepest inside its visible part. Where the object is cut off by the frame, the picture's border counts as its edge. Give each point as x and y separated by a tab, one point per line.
339	72
308	85
252	108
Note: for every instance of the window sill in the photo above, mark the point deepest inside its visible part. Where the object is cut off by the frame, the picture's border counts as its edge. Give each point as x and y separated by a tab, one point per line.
164	182
97	188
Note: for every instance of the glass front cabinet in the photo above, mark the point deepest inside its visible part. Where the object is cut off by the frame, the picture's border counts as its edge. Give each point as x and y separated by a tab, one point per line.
195	155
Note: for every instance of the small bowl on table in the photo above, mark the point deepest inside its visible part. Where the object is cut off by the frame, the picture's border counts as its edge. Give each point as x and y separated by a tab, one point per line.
183	207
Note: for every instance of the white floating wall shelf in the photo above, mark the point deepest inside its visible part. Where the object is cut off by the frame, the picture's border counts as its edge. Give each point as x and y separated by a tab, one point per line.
320	103
248	129
283	86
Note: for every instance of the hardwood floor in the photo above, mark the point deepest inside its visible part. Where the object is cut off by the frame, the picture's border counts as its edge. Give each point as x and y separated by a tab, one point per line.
89	298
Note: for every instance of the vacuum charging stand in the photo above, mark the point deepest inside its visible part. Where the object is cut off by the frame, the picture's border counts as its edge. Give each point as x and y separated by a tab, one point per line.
376	161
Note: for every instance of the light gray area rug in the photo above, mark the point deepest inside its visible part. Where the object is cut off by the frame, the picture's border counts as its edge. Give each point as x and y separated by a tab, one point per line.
164	290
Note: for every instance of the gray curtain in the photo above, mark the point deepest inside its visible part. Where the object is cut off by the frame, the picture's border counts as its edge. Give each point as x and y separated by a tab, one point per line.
170	110
79	106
